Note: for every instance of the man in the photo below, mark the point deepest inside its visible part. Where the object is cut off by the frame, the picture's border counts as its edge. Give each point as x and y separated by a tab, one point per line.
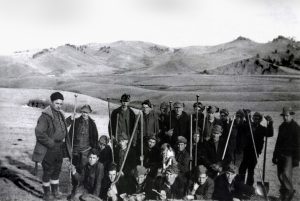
249	159
123	119
90	177
180	124
105	152
213	151
210	122
51	142
230	187
200	108
225	122
150	123
151	155
140	185
201	187
131	160
112	189
85	138
163	120
182	156
286	154
172	186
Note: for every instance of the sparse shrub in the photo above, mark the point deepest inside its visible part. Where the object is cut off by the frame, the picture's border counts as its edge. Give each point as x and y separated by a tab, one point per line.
38	103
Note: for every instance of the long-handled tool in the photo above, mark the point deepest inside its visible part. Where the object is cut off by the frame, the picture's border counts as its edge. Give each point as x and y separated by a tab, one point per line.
142	139
261	190
117	126
191	142
170	117
263	183
128	148
203	127
110	128
228	137
196	131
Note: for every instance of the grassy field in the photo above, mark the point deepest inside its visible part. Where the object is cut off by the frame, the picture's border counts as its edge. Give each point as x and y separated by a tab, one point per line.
266	94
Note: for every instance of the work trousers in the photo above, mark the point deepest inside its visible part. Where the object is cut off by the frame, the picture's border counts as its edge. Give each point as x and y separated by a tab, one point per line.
249	162
52	163
285	173
79	161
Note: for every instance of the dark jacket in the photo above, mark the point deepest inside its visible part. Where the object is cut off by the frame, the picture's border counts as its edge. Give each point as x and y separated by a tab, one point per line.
204	191
93	132
181	126
44	131
150	124
200	122
146	187
259	133
208	128
176	191
226	192
210	156
183	159
121	185
288	141
131	123
105	156
130	163
91	178
152	160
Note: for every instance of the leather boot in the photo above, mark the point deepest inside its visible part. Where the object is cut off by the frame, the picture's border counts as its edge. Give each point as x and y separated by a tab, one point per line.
47	194
55	192
71	197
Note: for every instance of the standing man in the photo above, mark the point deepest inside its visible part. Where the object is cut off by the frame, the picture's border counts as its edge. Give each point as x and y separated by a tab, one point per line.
51	142
150	119
163	120
85	137
210	122
286	154
180	124
123	119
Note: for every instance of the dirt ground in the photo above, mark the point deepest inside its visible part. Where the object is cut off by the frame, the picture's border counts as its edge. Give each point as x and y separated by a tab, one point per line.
17	123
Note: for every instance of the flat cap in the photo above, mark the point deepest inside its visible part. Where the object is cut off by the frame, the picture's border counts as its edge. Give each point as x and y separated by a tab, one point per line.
56	96
163	105
125	98
103	139
217	129
257	114
173	169
178	104
201	169
231	168
147	102
224	111
287	111
139	170
240	113
123	136
212	109
152	137
199	105
181	139
86	108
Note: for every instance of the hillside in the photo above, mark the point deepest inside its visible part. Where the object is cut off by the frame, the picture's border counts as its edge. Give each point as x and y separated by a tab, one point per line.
240	56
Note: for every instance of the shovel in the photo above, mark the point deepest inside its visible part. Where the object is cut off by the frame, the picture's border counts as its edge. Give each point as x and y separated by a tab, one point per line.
262	186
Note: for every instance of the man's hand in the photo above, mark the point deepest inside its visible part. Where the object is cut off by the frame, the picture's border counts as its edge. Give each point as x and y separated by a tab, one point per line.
169	132
269	119
163	195
72	169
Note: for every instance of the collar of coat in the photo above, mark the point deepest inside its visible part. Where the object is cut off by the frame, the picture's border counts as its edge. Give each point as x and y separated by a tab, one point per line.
48	111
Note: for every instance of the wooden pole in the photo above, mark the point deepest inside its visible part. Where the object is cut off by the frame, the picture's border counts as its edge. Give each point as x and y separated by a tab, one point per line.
142	139
191	142
111	134
228	137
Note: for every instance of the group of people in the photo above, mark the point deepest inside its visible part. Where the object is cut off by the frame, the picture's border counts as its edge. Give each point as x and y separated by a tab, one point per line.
162	155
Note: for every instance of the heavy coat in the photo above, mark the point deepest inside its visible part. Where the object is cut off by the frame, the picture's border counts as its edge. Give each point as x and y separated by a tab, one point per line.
181	126
131	123
176	191
204	191
150	124
288	142
91	178
183	159
93	132
44	132
226	192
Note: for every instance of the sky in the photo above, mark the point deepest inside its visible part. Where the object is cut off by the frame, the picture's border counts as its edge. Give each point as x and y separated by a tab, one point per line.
38	24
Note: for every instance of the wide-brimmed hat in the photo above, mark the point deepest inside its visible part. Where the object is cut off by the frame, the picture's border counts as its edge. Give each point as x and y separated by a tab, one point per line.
287	111
86	108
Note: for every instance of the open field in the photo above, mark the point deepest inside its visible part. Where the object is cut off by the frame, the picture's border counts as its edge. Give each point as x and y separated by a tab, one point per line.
17	121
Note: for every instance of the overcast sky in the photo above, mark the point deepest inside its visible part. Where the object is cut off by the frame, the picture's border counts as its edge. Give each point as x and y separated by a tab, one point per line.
31	24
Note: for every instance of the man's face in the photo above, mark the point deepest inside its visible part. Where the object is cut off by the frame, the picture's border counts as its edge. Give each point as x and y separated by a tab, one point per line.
124	104
57	104
196	137
210	116
216	136
256	120
85	115
202	178
146	109
170	177
151	143
230	176
223	117
178	110
238	120
112	175
140	179
287	118
123	144
181	146
199	109
93	159
102	145
164	110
